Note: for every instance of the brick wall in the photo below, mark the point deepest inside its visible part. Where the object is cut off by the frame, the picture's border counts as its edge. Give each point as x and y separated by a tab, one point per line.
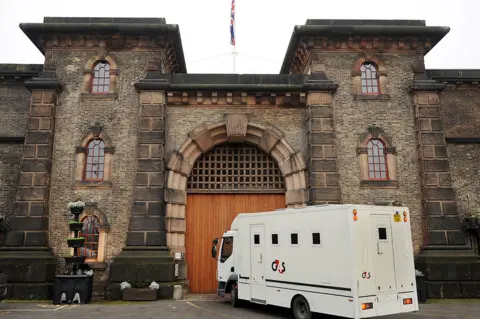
465	170
460	108
352	117
119	118
10	159
14	103
181	120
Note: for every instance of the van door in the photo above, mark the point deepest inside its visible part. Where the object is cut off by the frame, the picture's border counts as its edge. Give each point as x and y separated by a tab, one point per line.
383	250
257	264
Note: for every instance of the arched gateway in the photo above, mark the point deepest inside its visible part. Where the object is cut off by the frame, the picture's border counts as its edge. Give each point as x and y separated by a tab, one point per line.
229	167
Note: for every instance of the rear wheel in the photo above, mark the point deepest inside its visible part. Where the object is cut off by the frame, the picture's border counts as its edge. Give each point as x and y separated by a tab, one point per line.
234	296
301	308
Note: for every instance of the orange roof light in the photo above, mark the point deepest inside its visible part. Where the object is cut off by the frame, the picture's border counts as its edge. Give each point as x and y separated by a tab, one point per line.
405	214
354	212
355	217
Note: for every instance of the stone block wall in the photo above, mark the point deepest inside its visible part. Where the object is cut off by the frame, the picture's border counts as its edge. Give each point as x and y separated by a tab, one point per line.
392	112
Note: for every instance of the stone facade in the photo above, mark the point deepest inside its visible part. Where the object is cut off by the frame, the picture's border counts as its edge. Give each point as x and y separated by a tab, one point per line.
155	120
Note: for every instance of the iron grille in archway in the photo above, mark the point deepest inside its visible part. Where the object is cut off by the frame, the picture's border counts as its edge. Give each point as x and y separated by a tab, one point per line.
236	168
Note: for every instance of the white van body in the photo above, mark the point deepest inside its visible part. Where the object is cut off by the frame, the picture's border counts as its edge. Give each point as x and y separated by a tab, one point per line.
354	261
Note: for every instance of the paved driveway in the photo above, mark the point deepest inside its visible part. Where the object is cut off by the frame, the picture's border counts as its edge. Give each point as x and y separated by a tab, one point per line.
195	308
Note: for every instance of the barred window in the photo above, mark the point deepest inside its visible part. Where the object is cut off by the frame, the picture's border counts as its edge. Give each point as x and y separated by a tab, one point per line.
236	167
369	78
91	234
377	160
101	78
95	160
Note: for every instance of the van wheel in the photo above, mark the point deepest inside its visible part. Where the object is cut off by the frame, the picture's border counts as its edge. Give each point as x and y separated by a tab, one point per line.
234	296
301	308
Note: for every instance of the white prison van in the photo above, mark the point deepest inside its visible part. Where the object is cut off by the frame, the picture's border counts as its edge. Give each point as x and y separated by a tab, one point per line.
354	261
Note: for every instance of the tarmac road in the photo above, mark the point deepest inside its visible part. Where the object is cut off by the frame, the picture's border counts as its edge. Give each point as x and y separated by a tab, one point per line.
195	308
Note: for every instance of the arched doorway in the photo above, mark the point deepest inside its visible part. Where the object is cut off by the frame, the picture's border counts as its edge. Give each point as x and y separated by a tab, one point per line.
228	180
201	141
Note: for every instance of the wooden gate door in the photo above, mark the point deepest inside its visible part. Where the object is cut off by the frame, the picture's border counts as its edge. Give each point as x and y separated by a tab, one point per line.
209	216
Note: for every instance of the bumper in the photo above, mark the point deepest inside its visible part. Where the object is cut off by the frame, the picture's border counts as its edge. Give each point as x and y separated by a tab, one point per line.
385	305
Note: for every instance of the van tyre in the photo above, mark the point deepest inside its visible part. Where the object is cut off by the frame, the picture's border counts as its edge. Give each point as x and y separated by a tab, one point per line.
234	301
301	308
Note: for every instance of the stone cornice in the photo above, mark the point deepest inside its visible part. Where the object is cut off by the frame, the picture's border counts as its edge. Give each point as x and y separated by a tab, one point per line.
46	80
222	98
358	35
111	36
258	83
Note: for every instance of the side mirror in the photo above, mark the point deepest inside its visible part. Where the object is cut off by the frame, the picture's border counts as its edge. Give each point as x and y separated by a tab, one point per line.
214	248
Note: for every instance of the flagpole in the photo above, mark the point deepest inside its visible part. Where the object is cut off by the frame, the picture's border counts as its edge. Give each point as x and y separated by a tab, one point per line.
234	52
233	36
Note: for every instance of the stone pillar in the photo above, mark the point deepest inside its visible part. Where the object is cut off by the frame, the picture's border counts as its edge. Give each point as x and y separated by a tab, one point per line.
27	259
146	256
449	266
322	159
147	222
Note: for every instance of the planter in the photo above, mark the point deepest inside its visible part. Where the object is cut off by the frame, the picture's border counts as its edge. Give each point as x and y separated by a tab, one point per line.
77	260
75	242
75	226
76	210
72	289
139	294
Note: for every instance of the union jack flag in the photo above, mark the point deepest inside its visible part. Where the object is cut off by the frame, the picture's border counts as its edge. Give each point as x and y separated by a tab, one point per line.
232	24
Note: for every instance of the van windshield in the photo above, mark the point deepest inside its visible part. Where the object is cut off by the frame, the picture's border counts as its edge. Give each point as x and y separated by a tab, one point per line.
227	248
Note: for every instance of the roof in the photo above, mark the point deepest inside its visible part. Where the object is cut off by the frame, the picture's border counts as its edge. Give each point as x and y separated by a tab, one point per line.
235	82
351	28
155	27
20	70
454	75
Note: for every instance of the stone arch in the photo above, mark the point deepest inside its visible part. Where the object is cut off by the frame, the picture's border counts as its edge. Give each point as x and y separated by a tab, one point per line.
91	209
235	128
381	72
374	132
88	70
93	133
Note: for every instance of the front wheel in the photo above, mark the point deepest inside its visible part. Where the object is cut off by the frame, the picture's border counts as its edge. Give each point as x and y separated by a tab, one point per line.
234	296
301	308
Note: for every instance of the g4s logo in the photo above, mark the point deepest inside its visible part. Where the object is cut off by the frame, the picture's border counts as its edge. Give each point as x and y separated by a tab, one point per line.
366	275
277	267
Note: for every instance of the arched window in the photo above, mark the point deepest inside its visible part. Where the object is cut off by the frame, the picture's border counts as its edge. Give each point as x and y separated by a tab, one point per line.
101	78
369	78
91	234
377	160
95	160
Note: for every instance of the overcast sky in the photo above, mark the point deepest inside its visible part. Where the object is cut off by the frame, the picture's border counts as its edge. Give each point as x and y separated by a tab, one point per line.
263	27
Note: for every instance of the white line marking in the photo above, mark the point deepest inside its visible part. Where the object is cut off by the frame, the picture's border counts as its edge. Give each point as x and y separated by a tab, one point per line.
214	312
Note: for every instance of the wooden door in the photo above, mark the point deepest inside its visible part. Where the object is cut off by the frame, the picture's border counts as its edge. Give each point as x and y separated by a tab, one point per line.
209	216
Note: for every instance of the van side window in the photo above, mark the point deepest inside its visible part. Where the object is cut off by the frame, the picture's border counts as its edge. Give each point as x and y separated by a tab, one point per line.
274	239
382	233
256	239
316	238
294	239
